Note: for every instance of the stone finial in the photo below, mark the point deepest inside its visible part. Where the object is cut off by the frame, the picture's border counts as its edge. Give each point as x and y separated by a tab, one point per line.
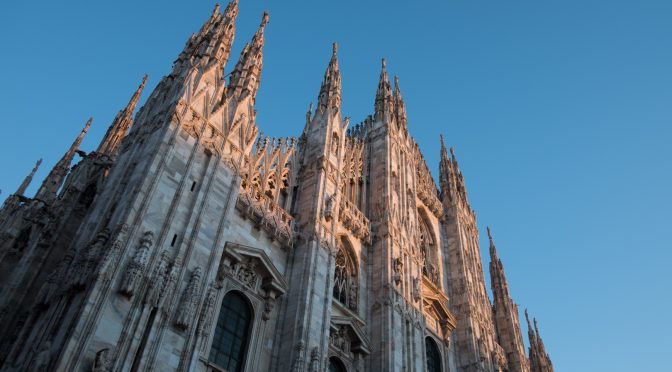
334	48
264	20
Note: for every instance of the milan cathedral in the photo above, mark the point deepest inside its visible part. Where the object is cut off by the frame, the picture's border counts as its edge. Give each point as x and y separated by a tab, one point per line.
187	241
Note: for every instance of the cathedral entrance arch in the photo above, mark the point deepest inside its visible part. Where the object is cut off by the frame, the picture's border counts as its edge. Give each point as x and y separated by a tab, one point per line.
433	355
335	365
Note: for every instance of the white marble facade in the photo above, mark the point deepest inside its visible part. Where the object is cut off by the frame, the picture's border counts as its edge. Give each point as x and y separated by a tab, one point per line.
187	242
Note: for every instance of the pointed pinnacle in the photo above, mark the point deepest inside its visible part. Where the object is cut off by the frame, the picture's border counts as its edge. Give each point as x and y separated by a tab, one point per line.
136	96
383	63
527	318
493	250
29	178
264	20
334	48
231	10
79	139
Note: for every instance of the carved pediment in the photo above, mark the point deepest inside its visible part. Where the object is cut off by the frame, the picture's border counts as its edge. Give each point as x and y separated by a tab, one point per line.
436	301
347	335
261	264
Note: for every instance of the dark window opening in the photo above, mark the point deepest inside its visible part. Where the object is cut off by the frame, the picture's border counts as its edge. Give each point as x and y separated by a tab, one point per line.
433	356
229	344
336	365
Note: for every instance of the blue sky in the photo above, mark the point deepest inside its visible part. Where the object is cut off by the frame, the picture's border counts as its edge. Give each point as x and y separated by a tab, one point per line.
559	112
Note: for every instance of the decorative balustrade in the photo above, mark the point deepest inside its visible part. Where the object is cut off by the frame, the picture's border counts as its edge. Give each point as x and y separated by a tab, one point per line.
266	214
354	220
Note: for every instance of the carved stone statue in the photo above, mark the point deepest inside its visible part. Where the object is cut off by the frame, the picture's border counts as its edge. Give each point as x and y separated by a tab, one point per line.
189	302
137	266
352	300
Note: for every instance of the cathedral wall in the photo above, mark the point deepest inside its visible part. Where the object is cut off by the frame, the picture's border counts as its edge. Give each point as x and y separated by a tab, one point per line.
368	267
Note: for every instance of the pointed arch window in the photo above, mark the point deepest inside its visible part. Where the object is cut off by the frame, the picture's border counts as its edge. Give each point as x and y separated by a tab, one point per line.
428	250
345	278
335	365
433	356
231	339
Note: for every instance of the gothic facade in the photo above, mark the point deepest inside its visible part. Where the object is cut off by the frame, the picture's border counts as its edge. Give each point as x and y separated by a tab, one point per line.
189	242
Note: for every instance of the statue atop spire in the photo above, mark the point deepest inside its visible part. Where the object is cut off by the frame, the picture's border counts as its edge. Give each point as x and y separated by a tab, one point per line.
50	186
120	125
384	100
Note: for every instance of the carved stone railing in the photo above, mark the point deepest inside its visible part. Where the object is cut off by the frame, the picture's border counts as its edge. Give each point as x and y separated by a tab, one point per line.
354	220
266	214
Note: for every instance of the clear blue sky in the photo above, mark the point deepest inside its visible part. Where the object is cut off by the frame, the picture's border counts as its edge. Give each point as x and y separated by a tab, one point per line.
560	113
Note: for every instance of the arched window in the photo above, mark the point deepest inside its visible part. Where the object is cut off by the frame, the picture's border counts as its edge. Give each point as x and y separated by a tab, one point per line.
345	278
229	344
433	356
427	249
336	365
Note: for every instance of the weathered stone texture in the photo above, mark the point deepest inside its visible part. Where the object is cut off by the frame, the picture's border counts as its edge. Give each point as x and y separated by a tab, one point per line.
340	243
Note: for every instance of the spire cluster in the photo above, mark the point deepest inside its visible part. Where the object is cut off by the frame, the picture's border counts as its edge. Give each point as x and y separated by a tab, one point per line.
450	176
539	359
246	74
212	45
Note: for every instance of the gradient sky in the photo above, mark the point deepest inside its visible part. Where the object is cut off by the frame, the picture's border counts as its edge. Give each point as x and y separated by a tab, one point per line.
559	112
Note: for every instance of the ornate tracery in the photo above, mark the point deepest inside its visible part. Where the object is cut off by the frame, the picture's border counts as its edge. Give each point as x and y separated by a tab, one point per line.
428	254
345	278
